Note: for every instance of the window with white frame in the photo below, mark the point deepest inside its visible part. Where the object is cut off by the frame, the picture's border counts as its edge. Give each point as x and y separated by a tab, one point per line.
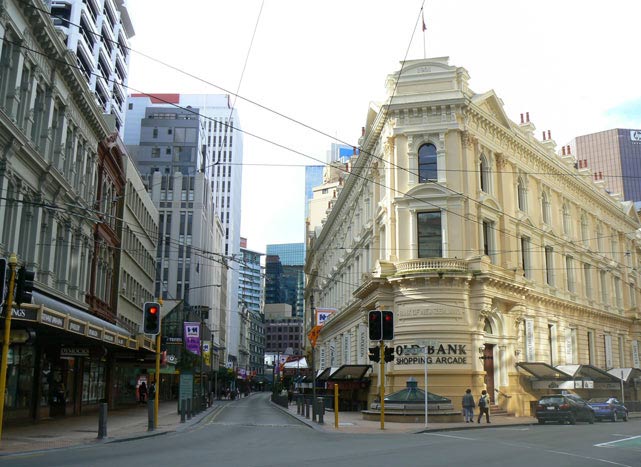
587	280
521	194
591	348
430	242
427	163
545	208
549	265
488	239
567	220
525	257
484	170
569	271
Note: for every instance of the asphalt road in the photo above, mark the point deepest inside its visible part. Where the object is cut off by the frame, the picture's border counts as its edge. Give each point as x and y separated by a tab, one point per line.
250	432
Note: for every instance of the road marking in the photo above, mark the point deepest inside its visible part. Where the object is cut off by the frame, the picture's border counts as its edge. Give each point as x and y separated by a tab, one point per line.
586	457
451	436
609	443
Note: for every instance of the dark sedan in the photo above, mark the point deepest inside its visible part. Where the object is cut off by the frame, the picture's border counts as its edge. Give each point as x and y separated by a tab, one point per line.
609	408
563	408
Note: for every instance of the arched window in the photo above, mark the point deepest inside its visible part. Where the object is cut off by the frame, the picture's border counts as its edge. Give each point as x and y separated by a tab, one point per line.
484	170
427	169
521	193
545	207
487	327
567	221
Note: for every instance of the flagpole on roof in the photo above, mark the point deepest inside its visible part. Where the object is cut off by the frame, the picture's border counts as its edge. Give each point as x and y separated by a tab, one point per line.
424	29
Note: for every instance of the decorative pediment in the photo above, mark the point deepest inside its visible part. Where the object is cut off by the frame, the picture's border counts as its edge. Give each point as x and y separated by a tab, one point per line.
490	103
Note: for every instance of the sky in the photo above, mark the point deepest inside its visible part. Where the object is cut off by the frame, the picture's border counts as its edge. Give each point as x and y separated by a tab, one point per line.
571	64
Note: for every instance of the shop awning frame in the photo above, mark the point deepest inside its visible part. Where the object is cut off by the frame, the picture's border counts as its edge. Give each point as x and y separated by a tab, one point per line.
544	371
628	375
350	373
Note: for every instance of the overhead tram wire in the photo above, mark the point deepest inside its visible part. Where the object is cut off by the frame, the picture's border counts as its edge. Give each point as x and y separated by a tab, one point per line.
317	130
282	146
311	128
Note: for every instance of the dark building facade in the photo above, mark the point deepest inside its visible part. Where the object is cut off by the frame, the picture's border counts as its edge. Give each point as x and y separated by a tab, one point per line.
613	156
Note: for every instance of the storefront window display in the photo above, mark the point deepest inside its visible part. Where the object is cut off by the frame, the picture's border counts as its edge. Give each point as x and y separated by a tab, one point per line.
19	377
93	381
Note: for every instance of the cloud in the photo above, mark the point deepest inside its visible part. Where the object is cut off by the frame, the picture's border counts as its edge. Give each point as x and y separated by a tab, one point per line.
626	114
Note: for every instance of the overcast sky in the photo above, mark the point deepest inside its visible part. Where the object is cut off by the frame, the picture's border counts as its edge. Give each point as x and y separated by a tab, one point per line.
572	64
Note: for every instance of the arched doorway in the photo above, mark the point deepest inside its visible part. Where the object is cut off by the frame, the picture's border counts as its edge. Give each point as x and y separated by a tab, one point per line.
488	359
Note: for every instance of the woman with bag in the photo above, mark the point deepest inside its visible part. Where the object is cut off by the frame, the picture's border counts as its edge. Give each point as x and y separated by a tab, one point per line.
484	406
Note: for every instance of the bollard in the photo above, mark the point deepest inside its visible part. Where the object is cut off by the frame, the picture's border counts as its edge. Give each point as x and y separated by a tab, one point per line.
189	409
183	407
298	405
321	409
306	408
150	415
102	421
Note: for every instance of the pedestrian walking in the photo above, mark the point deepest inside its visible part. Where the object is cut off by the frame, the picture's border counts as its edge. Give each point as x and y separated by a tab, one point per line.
484	406
142	392
468	406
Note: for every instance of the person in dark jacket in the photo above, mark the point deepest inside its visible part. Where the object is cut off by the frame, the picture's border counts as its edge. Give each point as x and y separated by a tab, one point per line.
484	406
468	406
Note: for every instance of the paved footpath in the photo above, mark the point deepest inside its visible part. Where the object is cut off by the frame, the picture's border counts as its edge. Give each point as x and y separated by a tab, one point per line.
123	424
352	422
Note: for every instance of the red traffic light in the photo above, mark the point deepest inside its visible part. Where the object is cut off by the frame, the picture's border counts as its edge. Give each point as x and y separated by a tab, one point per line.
153	310
375	328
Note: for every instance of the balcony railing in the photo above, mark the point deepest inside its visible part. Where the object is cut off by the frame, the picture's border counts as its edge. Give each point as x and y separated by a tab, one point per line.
431	265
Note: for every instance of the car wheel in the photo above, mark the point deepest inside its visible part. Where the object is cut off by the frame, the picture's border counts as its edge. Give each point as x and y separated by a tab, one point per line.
614	416
541	421
625	417
591	419
572	420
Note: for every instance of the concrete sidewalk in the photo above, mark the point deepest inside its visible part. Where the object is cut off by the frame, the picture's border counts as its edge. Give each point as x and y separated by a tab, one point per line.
123	424
352	422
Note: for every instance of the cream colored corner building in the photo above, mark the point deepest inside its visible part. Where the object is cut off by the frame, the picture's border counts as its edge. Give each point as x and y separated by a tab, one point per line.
479	237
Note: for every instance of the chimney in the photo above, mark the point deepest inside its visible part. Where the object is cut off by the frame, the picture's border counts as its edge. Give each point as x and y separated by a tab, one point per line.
522	121
563	152
354	149
363	131
570	150
543	135
596	176
600	175
527	117
549	135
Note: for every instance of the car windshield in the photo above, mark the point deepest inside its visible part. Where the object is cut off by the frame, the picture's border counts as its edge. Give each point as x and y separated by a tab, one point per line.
552	400
598	400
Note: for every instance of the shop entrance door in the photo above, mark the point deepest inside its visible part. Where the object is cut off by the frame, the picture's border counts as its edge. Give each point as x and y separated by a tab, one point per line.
58	389
488	366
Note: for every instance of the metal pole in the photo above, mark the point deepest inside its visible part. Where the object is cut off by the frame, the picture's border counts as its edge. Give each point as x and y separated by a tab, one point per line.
13	262
622	392
157	395
313	364
425	362
382	395
336	405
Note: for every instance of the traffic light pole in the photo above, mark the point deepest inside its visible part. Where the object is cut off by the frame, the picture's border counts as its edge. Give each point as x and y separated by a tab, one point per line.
13	262
382	353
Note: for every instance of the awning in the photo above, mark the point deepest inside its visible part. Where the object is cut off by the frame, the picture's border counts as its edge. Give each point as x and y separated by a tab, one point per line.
325	374
350	373
544	371
54	313
588	372
300	364
626	374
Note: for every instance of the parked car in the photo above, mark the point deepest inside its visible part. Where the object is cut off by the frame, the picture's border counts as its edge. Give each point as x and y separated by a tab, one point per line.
563	408
608	408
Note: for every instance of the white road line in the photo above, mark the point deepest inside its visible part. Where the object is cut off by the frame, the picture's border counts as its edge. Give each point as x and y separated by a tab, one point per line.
601	445
451	436
586	457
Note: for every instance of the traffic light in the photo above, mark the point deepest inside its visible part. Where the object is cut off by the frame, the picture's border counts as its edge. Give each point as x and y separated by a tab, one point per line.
389	354
388	325
375	354
24	288
375	325
151	318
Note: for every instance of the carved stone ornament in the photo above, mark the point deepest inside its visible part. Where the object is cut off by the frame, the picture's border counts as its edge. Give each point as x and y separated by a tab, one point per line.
485	312
468	139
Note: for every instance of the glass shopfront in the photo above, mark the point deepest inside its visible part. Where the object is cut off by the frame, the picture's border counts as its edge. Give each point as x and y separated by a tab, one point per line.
19	377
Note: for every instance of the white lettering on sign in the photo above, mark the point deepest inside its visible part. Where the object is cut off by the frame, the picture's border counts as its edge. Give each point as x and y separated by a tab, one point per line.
569	350
529	340
53	320
635	135
636	362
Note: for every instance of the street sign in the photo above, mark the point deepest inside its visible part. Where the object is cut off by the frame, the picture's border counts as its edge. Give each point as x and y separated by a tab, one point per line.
3	277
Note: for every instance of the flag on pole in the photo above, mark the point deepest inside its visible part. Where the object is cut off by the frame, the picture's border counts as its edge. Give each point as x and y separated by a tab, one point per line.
423	18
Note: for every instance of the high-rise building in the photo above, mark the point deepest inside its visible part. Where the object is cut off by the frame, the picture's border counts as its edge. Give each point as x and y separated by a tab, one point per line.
220	158
177	167
250	284
98	31
284	275
313	177
614	157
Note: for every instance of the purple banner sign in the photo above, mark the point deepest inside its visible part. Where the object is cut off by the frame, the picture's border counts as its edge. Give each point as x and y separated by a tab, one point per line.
192	337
